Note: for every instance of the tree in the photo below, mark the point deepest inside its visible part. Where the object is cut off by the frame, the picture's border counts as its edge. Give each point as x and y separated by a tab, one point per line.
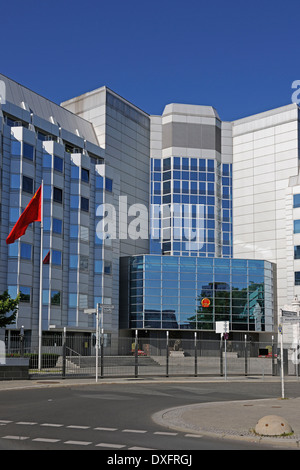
8	309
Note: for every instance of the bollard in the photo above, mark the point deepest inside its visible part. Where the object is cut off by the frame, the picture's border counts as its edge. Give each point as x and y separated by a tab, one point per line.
167	355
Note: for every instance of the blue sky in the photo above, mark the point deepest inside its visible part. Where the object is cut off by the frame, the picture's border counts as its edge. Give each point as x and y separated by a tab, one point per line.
240	57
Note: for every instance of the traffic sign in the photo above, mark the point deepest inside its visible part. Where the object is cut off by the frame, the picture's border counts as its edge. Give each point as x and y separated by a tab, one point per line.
222	327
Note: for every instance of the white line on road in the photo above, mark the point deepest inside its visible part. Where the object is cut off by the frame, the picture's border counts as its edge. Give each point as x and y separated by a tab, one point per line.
163	433
134	430
2	421
78	443
140	448
192	435
105	429
75	426
44	439
18	438
26	423
113	446
52	425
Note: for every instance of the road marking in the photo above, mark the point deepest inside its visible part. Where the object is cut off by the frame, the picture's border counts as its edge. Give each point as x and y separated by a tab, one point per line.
74	426
113	446
26	423
78	443
18	438
134	430
53	425
44	439
163	433
105	429
192	435
2	421
140	448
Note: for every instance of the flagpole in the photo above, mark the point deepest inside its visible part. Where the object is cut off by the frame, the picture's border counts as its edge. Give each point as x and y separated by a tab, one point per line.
41	279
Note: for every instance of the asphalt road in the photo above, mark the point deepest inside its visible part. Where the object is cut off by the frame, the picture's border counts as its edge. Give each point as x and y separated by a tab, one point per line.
116	417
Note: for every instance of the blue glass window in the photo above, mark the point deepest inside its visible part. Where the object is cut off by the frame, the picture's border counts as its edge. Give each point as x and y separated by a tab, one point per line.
85	175
296	226
74	172
108	184
185	164
157	164
13	250
57	226
28	151
99	182
57	195
25	294
27	185
12	291
47	160
47	224
296	200
176	163
210	165
73	300
73	261
16	147
56	257
74	202
58	164
98	266
297	278
84	204
25	251
167	164
297	252
55	297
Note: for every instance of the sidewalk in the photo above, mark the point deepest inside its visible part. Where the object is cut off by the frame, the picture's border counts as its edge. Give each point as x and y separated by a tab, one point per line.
227	420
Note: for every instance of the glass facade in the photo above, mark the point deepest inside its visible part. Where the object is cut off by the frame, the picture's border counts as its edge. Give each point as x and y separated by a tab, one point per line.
182	292
185	191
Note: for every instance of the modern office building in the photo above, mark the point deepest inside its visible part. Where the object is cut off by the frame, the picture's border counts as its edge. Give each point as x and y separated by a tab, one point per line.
191	184
221	219
80	170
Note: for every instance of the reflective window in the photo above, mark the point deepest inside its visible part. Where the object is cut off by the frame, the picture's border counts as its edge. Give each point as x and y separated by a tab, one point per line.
84	204
57	195
26	251
297	252
58	164
55	297
296	226
56	257
85	175
108	184
296	200
73	300
28	151
27	185
57	226
25	293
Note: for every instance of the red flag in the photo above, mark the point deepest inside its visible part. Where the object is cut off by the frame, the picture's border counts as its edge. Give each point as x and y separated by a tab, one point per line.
32	213
46	260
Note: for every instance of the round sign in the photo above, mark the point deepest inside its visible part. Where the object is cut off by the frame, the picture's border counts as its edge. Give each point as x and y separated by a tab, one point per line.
205	302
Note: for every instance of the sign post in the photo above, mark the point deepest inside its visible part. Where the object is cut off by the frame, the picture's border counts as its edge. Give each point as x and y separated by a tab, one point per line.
222	327
96	311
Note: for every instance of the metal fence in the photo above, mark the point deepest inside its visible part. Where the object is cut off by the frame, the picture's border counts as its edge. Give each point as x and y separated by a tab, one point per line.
143	357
